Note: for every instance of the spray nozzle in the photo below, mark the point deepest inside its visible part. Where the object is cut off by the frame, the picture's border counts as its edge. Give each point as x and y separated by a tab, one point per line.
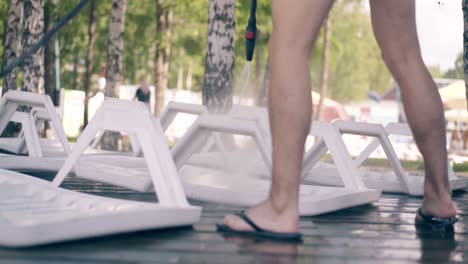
251	31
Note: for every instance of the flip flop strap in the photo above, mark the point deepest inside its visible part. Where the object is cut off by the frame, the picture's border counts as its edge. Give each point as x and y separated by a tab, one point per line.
246	219
425	217
429	218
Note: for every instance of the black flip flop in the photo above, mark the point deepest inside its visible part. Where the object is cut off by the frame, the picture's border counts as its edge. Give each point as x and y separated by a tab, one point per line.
435	222
259	232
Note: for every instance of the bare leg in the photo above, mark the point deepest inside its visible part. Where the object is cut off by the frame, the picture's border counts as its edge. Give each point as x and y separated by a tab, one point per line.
296	25
395	30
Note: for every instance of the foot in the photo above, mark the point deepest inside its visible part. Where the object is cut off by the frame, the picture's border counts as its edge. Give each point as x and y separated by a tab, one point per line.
266	217
438	207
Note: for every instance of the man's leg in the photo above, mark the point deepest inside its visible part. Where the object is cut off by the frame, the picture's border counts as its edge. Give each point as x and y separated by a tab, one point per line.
395	30
296	25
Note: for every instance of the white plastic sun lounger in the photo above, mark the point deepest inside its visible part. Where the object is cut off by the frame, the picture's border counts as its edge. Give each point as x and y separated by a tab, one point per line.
173	109
224	186
49	147
129	172
36	160
240	189
122	170
35	212
129	117
323	173
17	145
165	119
207	157
395	180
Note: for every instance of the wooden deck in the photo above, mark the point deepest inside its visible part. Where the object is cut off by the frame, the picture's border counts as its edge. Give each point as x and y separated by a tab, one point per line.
379	233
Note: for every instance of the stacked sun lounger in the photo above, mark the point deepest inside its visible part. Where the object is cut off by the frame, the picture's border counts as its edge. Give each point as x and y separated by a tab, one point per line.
36	212
196	167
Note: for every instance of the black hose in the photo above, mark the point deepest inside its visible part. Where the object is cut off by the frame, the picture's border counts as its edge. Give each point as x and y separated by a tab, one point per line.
251	31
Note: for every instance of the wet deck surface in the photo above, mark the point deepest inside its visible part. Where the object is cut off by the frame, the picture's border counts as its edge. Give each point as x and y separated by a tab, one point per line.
379	233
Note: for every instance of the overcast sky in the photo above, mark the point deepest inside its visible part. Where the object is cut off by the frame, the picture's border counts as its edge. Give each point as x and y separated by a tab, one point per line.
440	29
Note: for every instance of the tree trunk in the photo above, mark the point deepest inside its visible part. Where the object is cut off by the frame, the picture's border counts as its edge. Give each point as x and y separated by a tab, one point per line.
115	48
465	45
164	20
324	73
12	42
220	55
33	71
49	56
89	58
114	66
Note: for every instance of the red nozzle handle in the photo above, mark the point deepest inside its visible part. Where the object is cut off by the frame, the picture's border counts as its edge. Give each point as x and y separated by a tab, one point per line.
250	35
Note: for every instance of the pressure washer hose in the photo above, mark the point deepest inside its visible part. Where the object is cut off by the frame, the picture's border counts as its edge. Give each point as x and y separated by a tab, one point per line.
251	31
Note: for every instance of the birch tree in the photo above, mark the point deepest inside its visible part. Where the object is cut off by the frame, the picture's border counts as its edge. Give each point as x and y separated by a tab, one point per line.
12	41
114	65
220	55
115	48
33	70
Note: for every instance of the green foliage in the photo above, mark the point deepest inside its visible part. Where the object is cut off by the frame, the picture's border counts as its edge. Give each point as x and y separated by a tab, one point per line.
188	40
457	71
355	63
73	40
140	34
3	17
460	167
356	66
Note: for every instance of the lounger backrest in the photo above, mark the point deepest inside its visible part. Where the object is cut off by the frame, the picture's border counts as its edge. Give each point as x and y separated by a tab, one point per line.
133	118
198	134
12	99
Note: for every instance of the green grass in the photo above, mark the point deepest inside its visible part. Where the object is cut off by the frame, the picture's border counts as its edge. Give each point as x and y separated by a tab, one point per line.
407	164
460	167
412	165
72	139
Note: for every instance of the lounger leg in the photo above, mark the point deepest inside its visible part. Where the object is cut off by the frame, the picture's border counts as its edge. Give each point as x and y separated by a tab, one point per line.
80	147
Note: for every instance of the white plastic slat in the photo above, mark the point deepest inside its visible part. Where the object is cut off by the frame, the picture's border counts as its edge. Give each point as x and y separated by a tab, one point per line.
34	212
